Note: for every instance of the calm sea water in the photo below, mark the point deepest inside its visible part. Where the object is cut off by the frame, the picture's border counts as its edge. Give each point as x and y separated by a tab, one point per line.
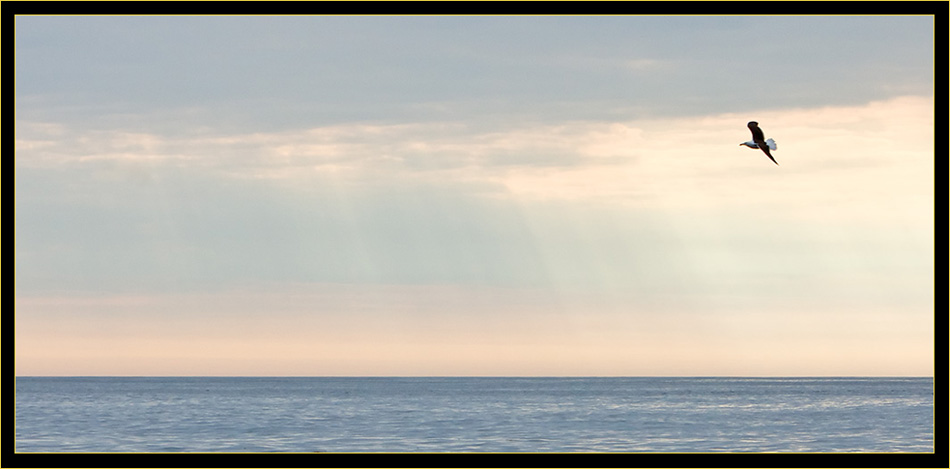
474	414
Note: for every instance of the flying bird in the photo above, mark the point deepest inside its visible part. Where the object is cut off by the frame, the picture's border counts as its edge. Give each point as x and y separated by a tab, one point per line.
759	141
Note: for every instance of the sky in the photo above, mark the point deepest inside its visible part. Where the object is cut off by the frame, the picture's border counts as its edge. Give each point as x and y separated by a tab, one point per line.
474	196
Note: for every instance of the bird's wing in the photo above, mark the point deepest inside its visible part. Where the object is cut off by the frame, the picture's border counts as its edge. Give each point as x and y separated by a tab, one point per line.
757	135
766	150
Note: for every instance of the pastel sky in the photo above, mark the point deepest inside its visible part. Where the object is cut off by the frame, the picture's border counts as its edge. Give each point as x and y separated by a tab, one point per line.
489	195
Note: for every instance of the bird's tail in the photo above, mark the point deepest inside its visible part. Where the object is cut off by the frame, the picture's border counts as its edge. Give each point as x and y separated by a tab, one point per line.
771	143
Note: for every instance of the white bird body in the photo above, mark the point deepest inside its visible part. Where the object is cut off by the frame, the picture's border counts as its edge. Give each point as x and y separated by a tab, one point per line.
771	144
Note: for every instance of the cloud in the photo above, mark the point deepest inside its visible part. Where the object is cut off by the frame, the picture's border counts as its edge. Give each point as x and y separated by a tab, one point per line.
568	160
663	208
647	65
876	134
302	72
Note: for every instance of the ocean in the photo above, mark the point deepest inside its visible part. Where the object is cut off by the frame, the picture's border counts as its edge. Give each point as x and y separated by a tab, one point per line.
389	414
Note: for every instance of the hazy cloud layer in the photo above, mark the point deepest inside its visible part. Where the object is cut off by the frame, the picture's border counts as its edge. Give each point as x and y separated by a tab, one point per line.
278	72
589	203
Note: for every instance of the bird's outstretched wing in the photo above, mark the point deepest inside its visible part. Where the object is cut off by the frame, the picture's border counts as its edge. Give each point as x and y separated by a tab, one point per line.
757	134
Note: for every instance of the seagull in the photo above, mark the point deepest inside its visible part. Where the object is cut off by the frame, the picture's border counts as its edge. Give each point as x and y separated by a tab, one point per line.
759	141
